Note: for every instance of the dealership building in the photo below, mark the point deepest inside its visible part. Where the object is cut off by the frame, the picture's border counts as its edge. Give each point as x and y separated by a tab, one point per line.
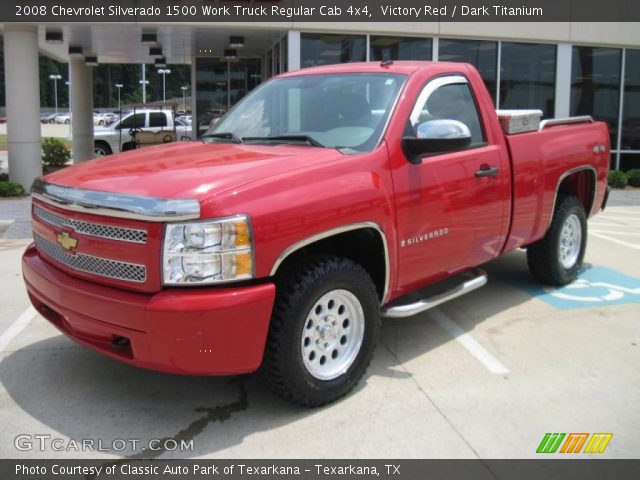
562	68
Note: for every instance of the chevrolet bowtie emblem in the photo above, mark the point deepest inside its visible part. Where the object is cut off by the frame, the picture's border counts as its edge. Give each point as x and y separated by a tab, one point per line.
66	241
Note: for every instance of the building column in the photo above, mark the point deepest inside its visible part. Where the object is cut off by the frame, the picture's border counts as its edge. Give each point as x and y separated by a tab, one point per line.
293	50
22	78
81	109
563	81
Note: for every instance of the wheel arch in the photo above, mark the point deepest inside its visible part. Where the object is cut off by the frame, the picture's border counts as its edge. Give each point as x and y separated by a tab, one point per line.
103	143
348	241
581	182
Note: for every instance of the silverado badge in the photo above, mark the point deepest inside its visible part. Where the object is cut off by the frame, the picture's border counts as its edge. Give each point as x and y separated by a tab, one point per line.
67	241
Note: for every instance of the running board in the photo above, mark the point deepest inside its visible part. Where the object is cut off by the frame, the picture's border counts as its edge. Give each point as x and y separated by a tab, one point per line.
469	282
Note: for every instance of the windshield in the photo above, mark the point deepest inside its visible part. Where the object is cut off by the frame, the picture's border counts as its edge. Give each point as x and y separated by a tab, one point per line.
345	111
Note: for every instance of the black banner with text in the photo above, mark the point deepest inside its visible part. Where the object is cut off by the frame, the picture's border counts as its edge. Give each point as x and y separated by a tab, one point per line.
37	11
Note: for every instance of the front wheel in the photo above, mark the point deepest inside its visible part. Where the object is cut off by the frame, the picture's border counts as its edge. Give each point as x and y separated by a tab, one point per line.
557	258
323	331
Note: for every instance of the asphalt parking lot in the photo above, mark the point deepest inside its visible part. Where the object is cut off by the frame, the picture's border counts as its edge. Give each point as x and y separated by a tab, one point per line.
484	376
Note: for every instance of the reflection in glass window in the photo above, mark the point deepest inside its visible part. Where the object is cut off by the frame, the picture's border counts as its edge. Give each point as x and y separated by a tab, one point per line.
399	48
595	85
629	161
631	110
480	53
528	77
326	49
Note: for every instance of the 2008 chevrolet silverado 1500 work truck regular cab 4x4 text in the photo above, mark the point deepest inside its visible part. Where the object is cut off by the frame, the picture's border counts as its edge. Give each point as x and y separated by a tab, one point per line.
325	199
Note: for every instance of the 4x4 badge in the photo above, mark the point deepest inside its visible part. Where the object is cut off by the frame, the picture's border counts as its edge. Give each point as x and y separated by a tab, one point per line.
67	241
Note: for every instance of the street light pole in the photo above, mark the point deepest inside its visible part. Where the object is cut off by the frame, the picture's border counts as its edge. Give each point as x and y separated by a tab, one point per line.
55	79
184	97
118	86
164	72
144	84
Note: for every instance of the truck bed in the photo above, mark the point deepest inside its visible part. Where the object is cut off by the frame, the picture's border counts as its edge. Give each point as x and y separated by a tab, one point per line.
540	160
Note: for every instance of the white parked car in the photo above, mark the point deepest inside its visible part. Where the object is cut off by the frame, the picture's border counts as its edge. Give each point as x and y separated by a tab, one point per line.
99	119
63	118
139	128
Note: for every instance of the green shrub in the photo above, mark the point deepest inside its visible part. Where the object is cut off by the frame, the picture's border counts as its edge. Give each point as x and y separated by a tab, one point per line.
4	177
11	189
633	177
54	152
617	179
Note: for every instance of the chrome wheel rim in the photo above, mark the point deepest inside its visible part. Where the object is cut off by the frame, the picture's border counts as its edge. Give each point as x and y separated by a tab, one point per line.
98	152
570	241
332	334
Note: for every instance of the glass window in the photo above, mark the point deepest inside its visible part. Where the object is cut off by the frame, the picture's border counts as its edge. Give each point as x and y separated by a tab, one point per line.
595	85
157	119
347	111
480	53
452	101
133	121
631	109
325	49
399	48
629	161
528	77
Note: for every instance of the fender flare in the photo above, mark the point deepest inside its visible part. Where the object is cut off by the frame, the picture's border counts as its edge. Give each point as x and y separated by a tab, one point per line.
337	231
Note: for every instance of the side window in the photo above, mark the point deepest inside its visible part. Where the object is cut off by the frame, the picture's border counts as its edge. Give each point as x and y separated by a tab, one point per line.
450	99
157	119
133	121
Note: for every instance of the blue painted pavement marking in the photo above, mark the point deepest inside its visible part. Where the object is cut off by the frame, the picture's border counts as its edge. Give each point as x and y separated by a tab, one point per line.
594	287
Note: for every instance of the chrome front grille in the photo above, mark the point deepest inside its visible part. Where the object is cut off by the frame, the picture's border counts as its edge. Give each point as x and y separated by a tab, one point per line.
93	229
103	267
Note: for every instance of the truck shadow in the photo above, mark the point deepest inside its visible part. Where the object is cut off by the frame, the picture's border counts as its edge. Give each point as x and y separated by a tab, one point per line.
76	393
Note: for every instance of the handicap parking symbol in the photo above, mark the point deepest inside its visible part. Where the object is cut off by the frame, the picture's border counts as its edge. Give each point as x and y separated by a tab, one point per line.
594	287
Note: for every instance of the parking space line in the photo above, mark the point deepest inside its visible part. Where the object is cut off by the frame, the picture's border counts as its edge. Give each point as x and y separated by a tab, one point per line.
467	341
617	218
613	223
616	233
615	240
16	327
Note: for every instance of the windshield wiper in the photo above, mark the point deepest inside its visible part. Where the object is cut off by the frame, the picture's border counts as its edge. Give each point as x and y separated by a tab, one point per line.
224	135
287	138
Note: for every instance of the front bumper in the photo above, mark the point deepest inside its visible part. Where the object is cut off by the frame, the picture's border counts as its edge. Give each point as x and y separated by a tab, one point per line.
212	331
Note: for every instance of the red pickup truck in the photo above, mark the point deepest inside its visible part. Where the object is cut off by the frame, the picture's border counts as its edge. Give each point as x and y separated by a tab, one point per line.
327	198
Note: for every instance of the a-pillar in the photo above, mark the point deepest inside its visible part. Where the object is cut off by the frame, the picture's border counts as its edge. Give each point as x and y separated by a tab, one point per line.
81	109
22	87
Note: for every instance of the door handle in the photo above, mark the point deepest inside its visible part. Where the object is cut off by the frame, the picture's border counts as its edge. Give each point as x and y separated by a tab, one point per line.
487	171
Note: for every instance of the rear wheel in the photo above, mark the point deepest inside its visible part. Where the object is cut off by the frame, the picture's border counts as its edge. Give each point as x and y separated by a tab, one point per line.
557	258
100	150
323	331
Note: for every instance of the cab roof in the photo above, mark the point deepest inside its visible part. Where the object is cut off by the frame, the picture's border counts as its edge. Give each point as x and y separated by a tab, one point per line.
398	67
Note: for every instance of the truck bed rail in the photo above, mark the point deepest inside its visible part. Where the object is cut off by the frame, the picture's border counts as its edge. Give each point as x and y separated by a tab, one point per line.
555	122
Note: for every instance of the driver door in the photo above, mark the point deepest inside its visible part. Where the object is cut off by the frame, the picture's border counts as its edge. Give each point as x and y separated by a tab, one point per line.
451	206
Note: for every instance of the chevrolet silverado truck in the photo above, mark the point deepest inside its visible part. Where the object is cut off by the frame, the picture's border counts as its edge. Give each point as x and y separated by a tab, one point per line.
326	199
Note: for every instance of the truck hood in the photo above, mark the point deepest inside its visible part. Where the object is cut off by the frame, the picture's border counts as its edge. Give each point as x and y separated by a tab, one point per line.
189	169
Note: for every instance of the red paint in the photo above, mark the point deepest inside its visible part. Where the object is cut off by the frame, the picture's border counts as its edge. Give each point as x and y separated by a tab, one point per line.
292	193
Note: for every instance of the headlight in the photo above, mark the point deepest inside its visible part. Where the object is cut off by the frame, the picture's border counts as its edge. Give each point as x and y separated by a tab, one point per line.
207	252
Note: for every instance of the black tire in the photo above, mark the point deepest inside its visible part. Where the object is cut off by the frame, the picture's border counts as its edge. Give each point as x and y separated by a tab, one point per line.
298	289
543	257
101	149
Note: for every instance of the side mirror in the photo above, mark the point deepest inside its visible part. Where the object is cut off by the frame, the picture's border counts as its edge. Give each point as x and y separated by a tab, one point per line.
436	136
